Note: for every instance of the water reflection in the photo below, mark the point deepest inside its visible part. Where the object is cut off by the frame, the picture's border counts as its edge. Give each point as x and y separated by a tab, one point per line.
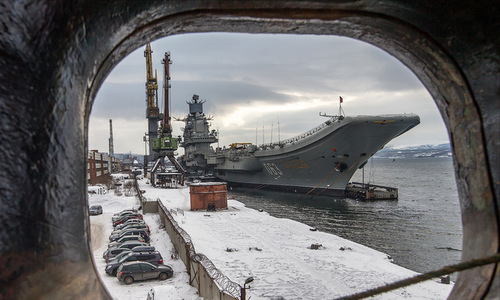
421	231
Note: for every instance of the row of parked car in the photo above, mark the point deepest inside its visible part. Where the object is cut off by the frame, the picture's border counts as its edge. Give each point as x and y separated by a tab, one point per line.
129	256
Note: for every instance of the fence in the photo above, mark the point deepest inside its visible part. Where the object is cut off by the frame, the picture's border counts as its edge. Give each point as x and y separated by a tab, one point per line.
203	275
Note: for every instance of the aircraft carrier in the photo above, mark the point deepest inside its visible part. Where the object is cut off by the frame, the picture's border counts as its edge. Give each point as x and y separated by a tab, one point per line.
319	161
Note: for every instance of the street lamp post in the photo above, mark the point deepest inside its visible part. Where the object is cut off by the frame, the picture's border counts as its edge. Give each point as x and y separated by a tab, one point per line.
244	288
144	138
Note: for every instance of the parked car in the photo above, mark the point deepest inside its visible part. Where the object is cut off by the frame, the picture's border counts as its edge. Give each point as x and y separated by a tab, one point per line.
124	211
130	231
143	249
112	252
123	219
118	257
133	237
131	226
154	258
130	222
126	214
95	210
140	232
135	271
131	244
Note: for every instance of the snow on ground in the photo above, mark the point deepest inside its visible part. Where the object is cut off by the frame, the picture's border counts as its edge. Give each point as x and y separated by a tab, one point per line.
243	242
178	286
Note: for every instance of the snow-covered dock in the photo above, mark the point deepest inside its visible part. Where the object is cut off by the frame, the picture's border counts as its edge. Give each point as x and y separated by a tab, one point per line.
277	253
174	288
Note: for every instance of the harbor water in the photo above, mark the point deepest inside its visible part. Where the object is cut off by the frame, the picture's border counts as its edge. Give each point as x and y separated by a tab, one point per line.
422	231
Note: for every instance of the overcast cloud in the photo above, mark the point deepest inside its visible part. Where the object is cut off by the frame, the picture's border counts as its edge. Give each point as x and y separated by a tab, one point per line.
251	82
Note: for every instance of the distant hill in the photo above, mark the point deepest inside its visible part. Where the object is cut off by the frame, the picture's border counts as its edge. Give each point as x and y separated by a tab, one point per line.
138	157
441	150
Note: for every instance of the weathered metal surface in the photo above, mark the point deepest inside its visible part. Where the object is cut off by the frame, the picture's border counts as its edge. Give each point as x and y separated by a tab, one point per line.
208	196
55	54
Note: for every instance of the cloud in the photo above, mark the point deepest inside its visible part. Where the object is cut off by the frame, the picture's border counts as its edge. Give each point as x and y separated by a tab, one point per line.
252	80
117	100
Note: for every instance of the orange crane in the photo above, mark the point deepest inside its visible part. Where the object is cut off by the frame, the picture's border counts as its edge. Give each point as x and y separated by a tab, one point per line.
161	142
165	144
151	85
152	111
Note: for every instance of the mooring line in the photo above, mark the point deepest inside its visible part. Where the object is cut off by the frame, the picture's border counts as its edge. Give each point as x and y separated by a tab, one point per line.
423	277
340	176
326	176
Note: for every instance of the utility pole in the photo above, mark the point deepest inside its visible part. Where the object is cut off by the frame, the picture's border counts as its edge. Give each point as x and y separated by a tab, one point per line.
111	147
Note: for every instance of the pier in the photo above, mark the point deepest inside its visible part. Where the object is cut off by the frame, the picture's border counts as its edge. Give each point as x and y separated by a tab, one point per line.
364	191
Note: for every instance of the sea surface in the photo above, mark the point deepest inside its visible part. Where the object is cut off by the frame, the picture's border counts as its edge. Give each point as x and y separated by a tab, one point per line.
422	231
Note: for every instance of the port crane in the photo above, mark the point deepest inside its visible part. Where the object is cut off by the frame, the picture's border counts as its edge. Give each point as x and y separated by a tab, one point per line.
152	111
161	142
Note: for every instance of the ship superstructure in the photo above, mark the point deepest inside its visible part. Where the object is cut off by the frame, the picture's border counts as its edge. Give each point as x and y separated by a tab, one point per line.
197	140
319	161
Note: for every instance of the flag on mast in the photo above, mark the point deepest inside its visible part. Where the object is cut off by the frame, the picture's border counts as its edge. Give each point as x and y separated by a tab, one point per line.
341	111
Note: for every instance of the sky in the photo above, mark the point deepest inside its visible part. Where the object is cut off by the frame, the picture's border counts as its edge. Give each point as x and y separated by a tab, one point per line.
262	87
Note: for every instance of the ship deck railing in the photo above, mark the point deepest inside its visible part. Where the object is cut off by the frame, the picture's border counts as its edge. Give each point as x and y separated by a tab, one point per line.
300	136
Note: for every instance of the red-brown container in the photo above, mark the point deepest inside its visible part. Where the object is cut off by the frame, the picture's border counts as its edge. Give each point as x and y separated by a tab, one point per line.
208	195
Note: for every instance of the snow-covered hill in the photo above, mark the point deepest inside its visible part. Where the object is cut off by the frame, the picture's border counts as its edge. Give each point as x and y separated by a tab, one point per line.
441	150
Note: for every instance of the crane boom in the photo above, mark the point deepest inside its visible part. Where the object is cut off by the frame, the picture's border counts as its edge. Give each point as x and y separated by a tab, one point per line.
161	142
151	85
167	128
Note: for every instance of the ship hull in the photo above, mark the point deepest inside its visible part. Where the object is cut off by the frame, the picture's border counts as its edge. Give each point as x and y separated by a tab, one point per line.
319	162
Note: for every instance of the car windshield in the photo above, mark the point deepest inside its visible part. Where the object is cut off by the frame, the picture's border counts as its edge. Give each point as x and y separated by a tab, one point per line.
121	255
123	259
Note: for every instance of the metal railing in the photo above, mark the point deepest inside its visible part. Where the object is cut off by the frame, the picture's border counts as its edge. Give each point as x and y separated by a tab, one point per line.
202	272
298	137
204	275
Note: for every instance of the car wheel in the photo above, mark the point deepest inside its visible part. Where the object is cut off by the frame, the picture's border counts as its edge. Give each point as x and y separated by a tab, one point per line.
114	272
163	276
128	280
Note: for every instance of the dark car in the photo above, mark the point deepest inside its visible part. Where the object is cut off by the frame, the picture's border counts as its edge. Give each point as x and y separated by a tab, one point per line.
140	232
154	258
135	271
95	210
131	244
133	237
143	249
114	253
118	257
